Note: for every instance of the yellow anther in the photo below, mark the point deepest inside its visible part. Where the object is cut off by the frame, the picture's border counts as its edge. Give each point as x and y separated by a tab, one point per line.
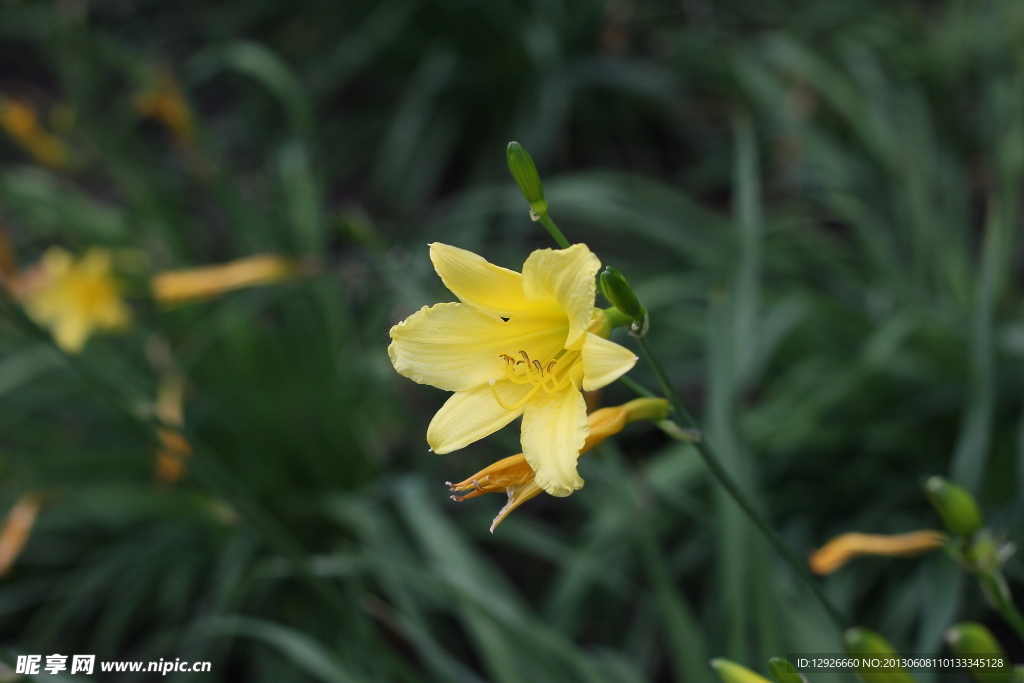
541	376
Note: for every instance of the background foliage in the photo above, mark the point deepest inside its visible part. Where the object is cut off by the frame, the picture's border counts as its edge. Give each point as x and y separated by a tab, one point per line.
818	202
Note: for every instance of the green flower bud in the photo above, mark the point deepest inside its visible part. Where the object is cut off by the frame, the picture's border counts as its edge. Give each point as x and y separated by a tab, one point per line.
983	555
974	641
955	505
783	671
525	173
731	672
865	644
617	290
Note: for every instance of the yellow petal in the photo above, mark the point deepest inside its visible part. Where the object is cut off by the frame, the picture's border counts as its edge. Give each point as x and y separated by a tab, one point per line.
554	431
604	361
457	347
112	315
478	282
96	262
56	261
565	277
71	332
471	415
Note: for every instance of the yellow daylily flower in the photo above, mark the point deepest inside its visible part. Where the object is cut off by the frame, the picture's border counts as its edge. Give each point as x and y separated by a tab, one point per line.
196	284
514	476
846	547
72	299
517	344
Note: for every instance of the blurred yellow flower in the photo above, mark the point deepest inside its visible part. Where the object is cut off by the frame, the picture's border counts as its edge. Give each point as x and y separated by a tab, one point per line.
72	299
197	284
514	476
21	123
846	547
165	102
516	345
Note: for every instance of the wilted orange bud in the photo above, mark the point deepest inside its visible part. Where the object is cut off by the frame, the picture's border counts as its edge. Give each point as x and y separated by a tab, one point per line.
165	102
170	457
17	528
844	548
174	448
21	123
197	284
513	475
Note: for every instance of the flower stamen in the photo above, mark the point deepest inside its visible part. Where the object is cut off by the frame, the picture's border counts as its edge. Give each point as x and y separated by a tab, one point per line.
540	375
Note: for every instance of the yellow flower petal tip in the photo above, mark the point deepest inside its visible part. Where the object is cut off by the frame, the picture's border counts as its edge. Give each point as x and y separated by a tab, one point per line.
514	476
731	672
846	547
17	528
199	284
515	344
73	299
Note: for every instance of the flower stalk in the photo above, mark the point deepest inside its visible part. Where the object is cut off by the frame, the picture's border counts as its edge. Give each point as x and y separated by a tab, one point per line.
975	548
713	464
521	165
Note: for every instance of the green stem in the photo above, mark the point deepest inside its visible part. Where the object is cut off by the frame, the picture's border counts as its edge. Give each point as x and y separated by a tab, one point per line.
1013	617
546	221
733	489
993	585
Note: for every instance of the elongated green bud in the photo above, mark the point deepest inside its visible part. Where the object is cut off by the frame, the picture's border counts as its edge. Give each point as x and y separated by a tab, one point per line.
731	672
955	505
868	646
783	671
525	172
617	290
646	409
977	644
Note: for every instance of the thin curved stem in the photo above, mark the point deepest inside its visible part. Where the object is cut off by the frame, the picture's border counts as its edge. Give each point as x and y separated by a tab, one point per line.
546	221
734	491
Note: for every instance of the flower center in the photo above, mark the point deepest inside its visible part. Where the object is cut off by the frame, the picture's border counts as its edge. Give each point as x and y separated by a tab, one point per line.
551	377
